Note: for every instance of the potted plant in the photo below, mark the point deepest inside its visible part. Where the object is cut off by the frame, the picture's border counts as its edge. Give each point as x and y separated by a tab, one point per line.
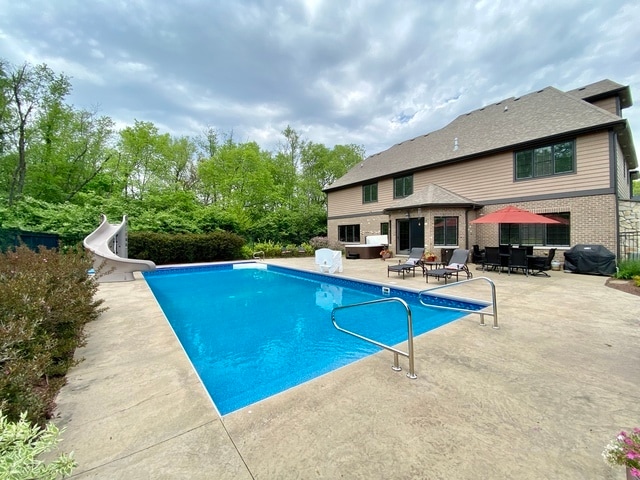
429	257
625	450
385	253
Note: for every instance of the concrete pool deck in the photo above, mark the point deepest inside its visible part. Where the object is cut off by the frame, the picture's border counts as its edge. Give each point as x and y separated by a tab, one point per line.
538	398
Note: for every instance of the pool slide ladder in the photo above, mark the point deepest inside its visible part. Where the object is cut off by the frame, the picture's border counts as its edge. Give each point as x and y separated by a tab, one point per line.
410	352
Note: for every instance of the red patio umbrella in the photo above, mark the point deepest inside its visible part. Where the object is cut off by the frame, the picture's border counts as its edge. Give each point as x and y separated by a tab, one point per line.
513	214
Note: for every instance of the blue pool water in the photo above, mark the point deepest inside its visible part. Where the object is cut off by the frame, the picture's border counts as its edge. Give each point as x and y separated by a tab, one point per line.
252	331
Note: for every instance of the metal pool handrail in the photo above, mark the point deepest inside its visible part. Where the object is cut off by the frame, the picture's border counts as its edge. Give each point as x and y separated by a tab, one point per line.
494	304
411	374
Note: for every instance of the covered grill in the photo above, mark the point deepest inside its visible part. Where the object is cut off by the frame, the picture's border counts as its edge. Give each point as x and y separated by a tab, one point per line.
592	259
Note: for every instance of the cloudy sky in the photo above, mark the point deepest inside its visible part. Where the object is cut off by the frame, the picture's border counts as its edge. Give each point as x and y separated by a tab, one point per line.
372	73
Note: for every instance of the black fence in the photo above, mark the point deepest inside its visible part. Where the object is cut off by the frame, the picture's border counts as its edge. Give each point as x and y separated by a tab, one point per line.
10	239
629	245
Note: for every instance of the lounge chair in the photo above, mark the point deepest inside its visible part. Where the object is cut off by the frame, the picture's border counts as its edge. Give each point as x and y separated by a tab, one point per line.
412	262
457	264
329	261
539	265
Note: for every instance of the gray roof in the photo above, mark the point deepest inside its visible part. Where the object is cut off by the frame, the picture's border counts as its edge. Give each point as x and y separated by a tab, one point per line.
433	194
602	89
499	126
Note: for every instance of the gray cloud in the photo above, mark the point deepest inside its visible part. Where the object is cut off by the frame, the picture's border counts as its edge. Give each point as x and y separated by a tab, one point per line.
373	73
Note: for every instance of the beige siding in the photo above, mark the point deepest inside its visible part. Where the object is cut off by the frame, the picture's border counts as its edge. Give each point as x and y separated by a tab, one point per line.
490	178
623	182
608	104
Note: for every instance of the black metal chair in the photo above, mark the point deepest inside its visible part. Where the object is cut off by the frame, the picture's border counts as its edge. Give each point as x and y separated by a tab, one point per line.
477	255
518	260
540	265
491	258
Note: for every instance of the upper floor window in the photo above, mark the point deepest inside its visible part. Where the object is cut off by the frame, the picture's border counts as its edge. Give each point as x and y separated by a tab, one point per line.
545	161
349	233
445	231
402	186
370	193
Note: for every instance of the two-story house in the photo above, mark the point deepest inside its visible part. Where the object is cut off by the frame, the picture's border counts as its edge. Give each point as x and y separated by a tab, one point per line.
568	155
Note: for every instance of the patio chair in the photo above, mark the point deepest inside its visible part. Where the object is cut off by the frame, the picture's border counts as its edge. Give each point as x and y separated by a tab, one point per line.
539	265
412	262
457	264
518	260
329	261
477	256
491	259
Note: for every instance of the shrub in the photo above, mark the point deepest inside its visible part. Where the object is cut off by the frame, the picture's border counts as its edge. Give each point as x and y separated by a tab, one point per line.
20	446
627	269
304	250
163	248
319	242
46	298
270	249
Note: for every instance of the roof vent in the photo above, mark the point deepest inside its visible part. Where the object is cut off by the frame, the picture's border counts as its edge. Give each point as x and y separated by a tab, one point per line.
455	144
506	108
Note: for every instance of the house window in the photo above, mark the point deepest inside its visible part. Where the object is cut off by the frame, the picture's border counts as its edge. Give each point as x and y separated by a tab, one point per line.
349	233
370	193
545	161
445	231
384	229
552	235
402	186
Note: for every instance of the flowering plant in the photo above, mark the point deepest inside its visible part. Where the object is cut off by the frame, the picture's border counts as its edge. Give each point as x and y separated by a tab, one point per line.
428	256
625	450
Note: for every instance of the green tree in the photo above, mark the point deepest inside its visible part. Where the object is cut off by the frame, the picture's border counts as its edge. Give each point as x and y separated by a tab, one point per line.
239	178
288	160
321	166
27	91
142	161
73	148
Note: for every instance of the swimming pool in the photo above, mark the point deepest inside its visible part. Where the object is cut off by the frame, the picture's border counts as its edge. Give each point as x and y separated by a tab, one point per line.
253	330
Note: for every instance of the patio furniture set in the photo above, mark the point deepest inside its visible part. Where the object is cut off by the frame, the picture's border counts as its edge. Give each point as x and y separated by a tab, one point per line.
447	270
514	258
501	258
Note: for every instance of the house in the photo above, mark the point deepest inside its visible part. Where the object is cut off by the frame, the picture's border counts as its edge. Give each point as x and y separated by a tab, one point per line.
569	155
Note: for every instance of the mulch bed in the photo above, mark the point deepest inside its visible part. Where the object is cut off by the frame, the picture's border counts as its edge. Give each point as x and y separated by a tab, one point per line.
627	286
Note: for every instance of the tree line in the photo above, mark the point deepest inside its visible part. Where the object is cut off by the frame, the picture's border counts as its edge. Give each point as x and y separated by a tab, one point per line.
61	166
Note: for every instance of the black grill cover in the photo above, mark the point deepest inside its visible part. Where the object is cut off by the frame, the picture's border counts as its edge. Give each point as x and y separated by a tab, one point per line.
593	259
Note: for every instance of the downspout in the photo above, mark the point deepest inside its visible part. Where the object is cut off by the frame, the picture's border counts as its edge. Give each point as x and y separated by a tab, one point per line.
467	229
614	160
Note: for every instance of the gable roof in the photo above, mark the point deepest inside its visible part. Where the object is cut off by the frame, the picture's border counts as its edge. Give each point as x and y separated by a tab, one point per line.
430	195
503	125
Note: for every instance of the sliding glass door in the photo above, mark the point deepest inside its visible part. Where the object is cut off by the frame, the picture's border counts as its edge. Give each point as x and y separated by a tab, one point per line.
409	234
